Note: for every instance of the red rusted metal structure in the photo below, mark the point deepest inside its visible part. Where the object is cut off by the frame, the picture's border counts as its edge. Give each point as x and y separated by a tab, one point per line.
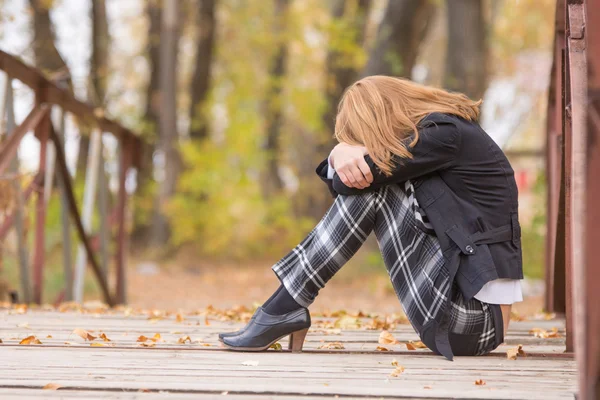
49	94
573	171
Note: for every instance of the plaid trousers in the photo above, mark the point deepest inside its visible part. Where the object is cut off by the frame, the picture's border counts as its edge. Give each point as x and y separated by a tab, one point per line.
413	259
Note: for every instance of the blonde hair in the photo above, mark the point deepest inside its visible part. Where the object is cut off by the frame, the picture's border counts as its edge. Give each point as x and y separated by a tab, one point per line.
379	112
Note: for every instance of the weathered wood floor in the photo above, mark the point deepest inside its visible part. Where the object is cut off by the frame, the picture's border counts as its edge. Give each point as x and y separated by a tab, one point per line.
125	369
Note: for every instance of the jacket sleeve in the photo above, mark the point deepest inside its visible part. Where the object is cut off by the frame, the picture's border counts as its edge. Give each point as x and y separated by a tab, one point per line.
435	150
322	172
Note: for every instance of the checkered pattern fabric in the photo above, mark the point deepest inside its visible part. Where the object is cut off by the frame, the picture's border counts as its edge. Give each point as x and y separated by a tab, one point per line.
412	256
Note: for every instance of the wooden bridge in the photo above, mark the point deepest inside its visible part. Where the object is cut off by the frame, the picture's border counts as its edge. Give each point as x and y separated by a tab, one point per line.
151	354
42	347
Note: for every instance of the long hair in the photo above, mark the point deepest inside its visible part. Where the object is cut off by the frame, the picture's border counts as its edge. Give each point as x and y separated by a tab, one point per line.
380	112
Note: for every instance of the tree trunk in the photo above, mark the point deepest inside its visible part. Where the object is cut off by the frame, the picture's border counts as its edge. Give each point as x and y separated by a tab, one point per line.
466	61
272	182
400	34
98	74
100	49
47	57
168	136
141	232
341	72
202	70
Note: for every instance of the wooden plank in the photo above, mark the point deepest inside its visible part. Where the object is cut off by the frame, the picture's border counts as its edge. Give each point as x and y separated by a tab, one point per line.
309	374
196	370
19	394
357	371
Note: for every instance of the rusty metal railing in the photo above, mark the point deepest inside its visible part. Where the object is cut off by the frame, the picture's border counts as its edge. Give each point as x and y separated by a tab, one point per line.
573	169
52	163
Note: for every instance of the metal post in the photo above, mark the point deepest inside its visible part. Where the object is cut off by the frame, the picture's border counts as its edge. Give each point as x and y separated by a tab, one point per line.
589	360
64	217
89	195
554	170
14	167
103	232
39	249
125	157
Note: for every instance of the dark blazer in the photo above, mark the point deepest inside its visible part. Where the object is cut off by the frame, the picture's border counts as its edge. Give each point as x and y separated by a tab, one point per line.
466	186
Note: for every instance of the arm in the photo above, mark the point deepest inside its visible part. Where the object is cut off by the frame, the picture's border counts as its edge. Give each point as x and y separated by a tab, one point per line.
436	149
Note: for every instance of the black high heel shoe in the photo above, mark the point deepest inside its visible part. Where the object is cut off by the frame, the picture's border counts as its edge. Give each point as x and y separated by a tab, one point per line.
238	332
264	329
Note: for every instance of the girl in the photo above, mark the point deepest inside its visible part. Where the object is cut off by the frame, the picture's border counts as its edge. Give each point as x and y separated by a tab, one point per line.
414	166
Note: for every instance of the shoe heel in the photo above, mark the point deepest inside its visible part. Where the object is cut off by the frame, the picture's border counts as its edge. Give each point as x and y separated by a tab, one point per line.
297	340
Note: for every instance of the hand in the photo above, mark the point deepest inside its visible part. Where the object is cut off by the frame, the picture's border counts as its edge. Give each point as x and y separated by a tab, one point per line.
349	163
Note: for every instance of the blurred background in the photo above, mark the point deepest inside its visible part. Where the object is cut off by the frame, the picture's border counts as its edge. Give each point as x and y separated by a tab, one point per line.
236	100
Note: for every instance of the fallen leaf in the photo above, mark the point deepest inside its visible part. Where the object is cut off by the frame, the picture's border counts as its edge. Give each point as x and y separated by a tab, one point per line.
332	346
395	363
347	322
516	317
184	339
544	334
377	324
51	386
206	321
103	337
480	382
276	346
49	337
84	334
30	340
399	370
415	345
148	344
1	341
251	363
21	308
387	338
96	344
381	348
179	318
154	339
512	354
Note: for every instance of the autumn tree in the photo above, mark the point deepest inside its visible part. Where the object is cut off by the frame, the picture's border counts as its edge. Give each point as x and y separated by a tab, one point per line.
100	53
47	56
399	37
272	182
141	232
205	42
345	58
168	133
343	66
466	59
